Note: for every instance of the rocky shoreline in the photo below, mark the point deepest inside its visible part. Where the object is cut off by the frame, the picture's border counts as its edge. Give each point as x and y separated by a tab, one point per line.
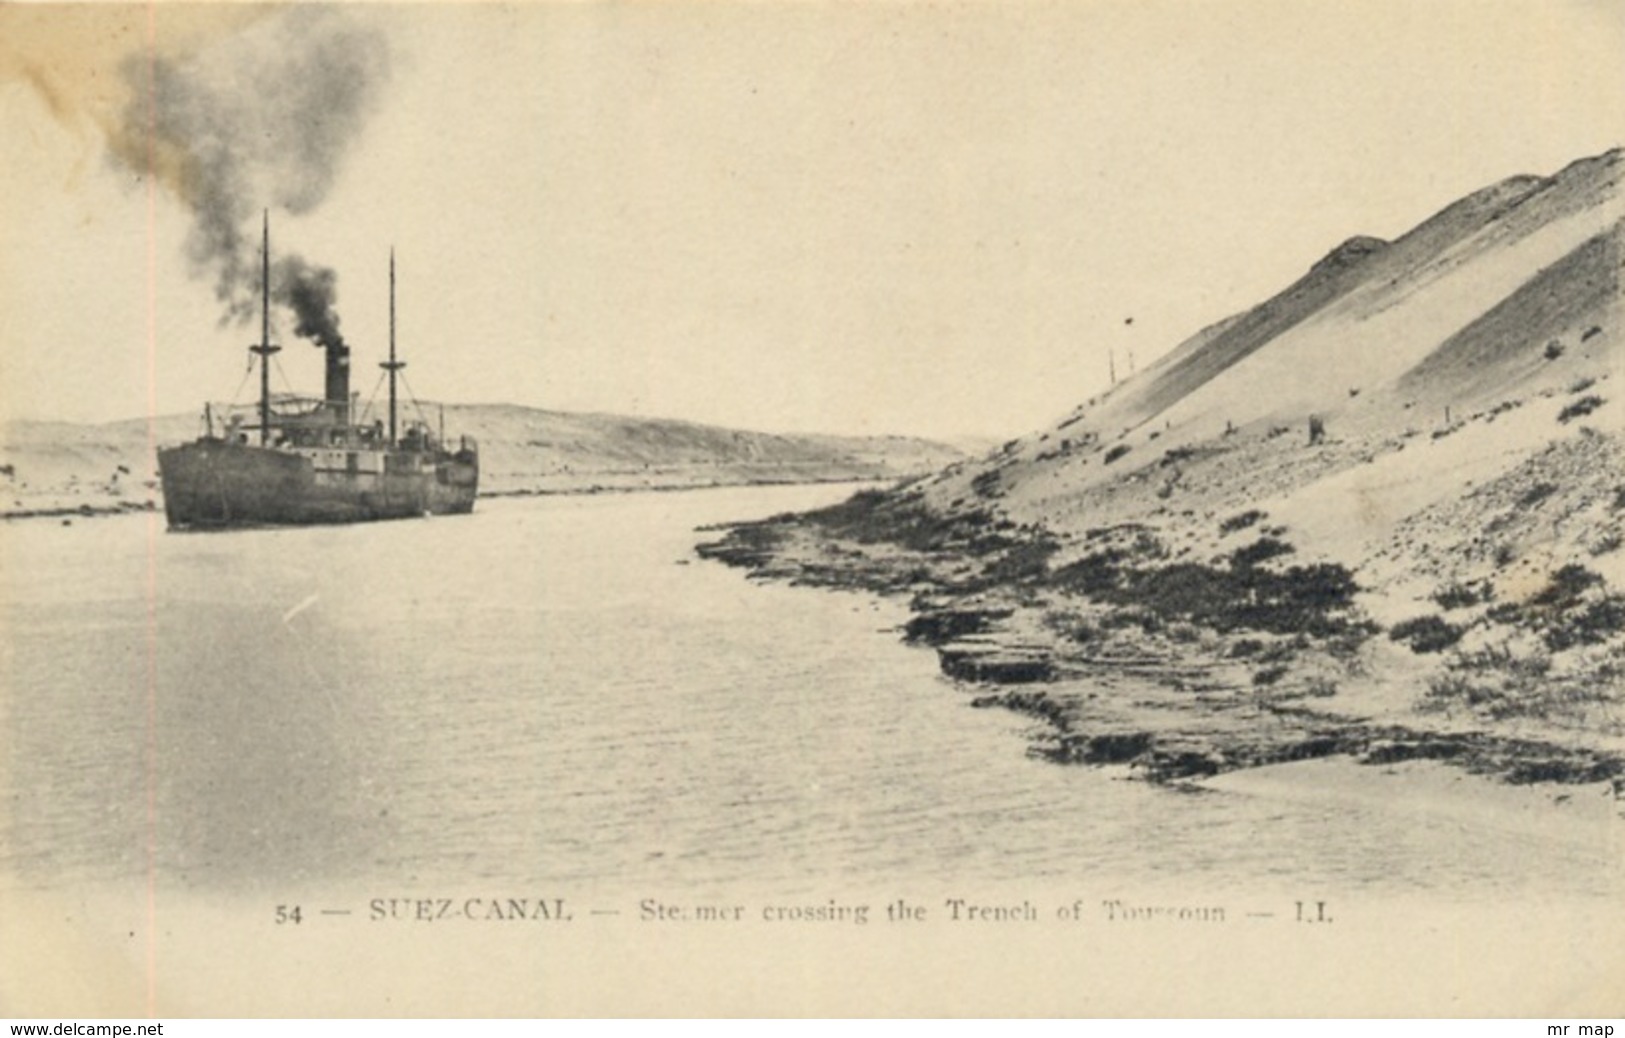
1168	689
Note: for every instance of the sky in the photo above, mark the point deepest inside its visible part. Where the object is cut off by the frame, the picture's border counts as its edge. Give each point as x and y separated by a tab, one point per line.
896	217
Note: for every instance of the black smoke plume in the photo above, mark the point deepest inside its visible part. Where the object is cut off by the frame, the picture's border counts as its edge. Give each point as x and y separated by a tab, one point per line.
261	120
311	292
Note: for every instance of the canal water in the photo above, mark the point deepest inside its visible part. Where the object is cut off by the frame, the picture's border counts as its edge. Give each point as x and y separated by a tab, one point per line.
556	694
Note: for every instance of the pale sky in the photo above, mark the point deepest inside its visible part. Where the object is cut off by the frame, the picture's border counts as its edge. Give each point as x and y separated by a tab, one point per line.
827	217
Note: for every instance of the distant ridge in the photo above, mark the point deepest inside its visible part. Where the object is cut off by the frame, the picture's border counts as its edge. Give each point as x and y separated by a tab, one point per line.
56	465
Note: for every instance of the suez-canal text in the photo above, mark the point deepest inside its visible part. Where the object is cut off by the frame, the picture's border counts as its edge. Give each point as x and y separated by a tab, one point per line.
831	910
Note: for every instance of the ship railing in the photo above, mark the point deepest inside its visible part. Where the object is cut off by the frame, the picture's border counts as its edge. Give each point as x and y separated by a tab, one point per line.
283	408
297	406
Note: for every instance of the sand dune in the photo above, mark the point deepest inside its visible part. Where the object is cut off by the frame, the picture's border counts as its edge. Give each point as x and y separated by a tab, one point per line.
1380	514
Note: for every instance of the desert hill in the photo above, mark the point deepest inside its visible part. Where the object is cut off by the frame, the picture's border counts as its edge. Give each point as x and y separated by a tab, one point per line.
1457	313
526	448
1383	507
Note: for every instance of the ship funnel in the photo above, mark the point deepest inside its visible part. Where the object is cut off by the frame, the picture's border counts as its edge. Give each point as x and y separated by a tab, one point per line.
338	381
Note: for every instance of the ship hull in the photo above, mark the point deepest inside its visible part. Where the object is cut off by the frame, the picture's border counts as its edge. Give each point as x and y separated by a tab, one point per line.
216	484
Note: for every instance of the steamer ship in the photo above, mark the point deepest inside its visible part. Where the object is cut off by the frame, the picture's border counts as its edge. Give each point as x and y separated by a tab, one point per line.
308	461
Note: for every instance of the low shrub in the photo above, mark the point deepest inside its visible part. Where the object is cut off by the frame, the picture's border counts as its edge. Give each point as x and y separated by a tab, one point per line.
1309	600
1445	690
1321	687
1594	624
1073	626
1498	683
1241	521
1277	651
1145	619
1269	675
1021	562
1460	596
1560	613
1566	586
1184	633
1245	647
987	484
1263	549
1536	494
1426	634
1580	408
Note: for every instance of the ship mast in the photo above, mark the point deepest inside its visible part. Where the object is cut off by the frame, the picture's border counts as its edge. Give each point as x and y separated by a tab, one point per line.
392	365
265	349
